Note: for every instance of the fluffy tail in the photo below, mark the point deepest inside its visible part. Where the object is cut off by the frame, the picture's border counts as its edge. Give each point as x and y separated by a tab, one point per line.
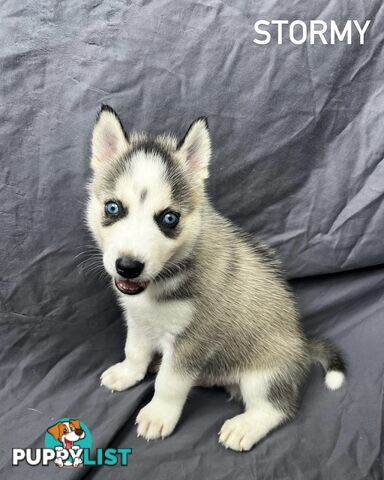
325	353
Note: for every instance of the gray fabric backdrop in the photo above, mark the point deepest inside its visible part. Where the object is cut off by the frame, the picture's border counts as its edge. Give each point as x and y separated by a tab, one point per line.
298	147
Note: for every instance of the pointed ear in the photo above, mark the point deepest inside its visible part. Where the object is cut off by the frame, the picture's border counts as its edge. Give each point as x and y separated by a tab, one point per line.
109	139
195	148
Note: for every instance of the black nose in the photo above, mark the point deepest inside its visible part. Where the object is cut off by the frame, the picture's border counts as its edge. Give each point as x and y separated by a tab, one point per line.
128	267
79	432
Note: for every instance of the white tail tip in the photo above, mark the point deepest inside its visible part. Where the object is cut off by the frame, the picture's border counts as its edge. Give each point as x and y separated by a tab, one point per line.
334	379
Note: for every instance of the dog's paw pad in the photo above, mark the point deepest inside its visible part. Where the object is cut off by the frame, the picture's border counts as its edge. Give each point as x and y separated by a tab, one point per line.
120	377
238	434
153	422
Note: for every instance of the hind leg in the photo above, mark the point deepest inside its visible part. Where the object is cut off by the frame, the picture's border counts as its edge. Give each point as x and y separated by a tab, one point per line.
269	401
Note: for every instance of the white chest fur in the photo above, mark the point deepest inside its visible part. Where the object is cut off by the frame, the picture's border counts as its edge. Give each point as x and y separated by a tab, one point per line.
160	322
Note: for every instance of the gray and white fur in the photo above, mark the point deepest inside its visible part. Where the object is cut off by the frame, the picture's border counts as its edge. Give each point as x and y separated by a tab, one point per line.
205	296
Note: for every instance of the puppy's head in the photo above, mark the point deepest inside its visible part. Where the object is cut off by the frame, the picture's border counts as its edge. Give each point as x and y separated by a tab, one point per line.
145	198
67	432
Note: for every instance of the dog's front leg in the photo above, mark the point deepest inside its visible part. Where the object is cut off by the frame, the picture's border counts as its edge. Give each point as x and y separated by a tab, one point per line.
138	355
159	418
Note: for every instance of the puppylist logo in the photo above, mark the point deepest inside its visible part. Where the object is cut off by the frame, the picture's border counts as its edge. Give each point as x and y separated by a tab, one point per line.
68	443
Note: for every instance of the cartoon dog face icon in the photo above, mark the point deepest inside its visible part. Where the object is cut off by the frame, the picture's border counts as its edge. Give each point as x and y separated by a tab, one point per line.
67	433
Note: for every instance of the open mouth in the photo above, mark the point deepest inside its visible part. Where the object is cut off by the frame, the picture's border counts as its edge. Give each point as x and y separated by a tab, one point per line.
68	444
129	287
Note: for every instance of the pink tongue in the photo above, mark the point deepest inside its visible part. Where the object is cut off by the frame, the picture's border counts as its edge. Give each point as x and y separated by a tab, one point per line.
68	444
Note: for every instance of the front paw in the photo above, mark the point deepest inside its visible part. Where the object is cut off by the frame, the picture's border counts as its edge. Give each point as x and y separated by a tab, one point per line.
120	377
156	421
59	462
77	462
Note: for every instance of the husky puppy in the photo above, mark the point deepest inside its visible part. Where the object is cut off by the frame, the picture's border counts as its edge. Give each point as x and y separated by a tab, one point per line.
193	288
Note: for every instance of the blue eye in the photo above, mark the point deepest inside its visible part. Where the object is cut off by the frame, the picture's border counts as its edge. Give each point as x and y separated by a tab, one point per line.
169	219
112	209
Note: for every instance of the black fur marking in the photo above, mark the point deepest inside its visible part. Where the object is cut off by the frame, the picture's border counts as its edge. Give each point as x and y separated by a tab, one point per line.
184	290
179	185
170	232
181	191
116	170
181	292
199	119
170	271
109	220
173	234
335	358
143	195
323	351
336	362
